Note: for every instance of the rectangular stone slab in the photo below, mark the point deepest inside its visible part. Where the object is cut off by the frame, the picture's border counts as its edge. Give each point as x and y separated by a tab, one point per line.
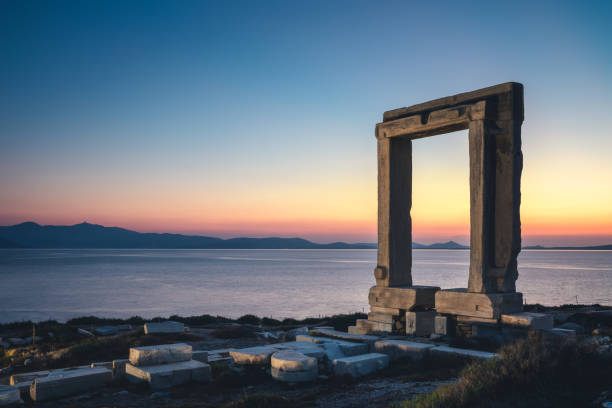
358	366
348	348
160	354
511	107
200	355
69	382
405	298
487	305
305	347
24	389
168	375
445	350
396	349
216	359
541	321
344	336
27	377
9	395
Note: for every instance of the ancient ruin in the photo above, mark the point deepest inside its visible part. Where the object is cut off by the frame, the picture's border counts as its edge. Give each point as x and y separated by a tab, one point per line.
493	117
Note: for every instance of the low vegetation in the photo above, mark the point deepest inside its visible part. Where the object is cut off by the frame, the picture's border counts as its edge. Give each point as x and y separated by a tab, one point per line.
533	372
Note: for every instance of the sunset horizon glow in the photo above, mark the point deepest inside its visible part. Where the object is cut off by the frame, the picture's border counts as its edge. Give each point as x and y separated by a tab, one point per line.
258	119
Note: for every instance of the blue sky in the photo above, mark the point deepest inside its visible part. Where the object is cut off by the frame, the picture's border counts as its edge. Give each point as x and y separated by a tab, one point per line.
257	118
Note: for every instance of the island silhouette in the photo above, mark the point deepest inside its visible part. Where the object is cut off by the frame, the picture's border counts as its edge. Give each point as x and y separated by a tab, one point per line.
85	235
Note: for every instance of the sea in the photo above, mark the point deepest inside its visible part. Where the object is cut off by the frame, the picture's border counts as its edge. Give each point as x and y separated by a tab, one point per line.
59	284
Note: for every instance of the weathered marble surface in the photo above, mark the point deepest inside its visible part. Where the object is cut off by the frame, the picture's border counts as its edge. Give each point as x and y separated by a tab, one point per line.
397	349
160	354
168	375
357	366
69	382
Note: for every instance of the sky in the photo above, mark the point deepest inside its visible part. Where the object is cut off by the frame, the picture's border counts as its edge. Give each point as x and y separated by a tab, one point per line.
257	118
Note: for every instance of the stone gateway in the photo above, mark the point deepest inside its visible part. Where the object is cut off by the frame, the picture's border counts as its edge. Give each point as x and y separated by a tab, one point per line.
493	117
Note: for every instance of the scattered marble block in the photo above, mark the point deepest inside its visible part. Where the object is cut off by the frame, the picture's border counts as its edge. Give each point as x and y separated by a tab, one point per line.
200	355
403	297
289	360
9	395
541	321
119	367
220	358
397	349
312	339
344	336
293	366
24	388
333	351
420	323
305	347
160	354
444	326
164	327
486	305
69	382
348	348
168	375
105	364
357	366
258	355
445	350
27	377
220	352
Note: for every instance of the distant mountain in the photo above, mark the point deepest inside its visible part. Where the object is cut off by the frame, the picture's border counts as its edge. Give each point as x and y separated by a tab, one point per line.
447	245
85	235
568	248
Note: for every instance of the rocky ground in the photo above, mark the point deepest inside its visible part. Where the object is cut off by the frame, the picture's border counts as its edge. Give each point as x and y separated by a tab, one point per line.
63	345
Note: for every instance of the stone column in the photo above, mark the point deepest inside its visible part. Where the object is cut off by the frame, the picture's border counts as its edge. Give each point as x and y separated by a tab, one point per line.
495	232
394	204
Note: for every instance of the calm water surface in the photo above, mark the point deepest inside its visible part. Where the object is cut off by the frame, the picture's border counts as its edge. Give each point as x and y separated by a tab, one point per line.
60	284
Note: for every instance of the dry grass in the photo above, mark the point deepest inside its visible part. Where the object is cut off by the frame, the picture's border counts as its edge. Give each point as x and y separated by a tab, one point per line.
533	372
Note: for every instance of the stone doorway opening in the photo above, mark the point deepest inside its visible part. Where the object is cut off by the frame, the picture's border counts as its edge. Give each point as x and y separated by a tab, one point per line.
440	190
